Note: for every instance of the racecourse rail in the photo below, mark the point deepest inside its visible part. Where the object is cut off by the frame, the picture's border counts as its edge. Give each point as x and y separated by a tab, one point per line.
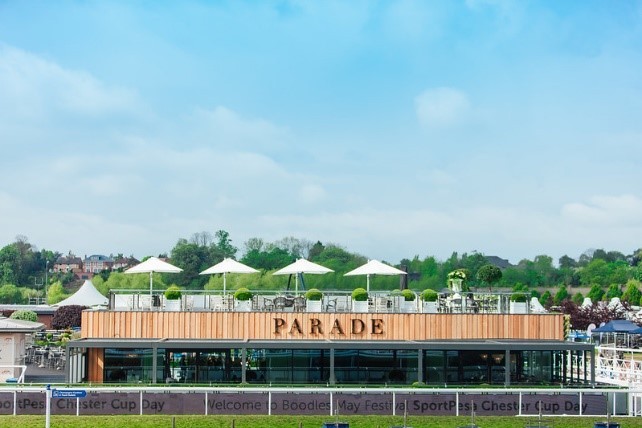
24	400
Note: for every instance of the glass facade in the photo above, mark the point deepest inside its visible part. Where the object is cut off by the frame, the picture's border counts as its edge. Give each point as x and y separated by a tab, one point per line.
351	366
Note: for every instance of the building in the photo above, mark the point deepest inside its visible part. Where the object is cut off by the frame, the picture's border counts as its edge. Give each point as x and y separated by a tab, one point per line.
209	342
97	263
70	263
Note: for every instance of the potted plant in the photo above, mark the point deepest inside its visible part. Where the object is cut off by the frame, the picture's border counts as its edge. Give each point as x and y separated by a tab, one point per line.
359	300
313	298
409	297
173	296
243	300
519	303
429	301
455	279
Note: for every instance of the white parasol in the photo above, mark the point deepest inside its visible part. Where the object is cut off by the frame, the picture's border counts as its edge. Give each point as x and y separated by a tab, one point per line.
228	266
151	265
302	266
375	267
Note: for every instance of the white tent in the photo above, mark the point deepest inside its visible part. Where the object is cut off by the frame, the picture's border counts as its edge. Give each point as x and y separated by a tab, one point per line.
87	295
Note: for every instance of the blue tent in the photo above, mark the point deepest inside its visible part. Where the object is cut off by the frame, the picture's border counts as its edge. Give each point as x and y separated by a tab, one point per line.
617	326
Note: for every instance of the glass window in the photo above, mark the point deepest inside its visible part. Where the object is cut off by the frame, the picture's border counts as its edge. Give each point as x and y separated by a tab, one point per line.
128	365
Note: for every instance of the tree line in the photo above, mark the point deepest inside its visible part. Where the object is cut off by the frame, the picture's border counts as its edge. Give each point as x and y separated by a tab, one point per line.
604	273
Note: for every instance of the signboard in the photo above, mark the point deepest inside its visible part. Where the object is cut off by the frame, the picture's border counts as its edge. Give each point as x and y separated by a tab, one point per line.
68	393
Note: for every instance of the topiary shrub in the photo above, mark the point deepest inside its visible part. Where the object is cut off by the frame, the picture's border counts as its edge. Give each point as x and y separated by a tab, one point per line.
359	295
173	292
24	315
519	297
429	295
243	294
314	294
408	295
67	317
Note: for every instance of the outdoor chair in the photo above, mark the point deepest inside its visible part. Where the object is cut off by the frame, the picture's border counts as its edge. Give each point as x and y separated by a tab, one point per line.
299	304
268	304
279	303
331	305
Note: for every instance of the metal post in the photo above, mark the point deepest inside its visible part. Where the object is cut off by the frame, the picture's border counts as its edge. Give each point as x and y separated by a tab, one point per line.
48	406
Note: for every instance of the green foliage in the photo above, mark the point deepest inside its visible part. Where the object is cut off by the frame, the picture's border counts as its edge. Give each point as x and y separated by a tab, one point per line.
578	298
546	300
519	297
561	295
359	295
613	291
489	274
632	293
56	293
243	294
25	315
408	295
173	292
67	317
596	293
10	294
429	295
314	294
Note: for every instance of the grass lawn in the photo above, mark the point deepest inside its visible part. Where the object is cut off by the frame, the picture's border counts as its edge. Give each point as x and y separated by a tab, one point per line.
297	421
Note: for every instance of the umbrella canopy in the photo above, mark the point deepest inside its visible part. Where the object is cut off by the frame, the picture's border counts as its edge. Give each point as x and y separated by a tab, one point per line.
87	295
375	267
151	265
302	266
228	266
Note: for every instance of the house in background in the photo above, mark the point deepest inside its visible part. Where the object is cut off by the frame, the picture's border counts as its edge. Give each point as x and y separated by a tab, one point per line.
69	263
97	263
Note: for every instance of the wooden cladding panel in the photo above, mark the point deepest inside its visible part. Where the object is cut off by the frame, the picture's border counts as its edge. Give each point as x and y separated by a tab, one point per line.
261	325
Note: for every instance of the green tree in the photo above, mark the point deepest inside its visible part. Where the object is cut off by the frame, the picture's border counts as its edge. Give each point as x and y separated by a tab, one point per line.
561	295
56	293
489	275
10	294
578	298
613	291
632	293
596	293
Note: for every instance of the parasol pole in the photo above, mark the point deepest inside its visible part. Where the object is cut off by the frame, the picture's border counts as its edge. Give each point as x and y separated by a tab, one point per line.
224	285
368	283
151	299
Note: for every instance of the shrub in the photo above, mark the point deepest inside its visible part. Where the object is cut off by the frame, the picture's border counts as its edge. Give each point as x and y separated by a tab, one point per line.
314	294
173	292
24	315
408	295
67	317
519	297
396	292
359	295
429	295
243	294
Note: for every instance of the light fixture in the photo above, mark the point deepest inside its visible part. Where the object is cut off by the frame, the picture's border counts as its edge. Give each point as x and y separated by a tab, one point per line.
483	356
498	358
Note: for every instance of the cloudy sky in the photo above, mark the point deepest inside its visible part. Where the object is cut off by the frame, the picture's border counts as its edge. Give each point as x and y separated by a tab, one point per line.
392	128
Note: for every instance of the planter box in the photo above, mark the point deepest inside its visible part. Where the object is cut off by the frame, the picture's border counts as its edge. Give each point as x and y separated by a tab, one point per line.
173	305
409	306
243	305
313	305
518	307
359	306
430	307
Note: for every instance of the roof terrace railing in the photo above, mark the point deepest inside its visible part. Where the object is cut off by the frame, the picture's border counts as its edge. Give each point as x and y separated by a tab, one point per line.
332	301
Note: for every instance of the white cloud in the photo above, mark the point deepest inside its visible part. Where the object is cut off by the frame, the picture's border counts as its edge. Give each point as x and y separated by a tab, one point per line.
312	194
33	88
442	107
606	211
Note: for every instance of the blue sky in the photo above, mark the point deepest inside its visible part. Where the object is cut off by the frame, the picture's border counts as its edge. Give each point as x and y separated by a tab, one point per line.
392	128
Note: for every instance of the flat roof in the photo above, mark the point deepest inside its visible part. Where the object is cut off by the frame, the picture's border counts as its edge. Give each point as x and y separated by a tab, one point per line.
465	345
